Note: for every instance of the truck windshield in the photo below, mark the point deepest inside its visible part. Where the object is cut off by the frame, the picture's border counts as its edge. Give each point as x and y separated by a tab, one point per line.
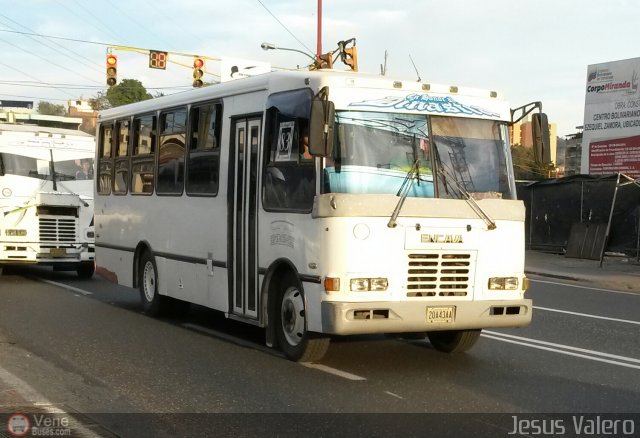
373	152
31	166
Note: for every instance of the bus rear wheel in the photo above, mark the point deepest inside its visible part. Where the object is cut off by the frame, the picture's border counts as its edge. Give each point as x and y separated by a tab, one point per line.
454	341
153	304
294	340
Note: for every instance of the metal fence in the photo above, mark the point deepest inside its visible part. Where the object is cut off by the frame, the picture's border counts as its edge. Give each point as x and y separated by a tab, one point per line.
555	206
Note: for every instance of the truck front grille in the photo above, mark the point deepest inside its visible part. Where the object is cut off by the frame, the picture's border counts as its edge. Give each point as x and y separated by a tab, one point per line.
58	229
439	274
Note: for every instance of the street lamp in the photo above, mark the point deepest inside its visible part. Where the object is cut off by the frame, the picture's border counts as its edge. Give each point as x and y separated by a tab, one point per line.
270	46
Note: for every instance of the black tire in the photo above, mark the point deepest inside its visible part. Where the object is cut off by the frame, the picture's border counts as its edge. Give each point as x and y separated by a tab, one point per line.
454	341
153	304
85	270
295	341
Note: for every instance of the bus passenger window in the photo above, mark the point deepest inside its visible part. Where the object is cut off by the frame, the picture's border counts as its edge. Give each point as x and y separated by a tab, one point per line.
105	164
143	157
203	161
121	159
173	133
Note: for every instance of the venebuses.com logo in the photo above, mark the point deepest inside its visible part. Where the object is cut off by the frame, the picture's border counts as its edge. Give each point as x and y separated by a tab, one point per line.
18	425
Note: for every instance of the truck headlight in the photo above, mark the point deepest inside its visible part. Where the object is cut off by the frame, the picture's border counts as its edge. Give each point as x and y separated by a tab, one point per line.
503	283
369	284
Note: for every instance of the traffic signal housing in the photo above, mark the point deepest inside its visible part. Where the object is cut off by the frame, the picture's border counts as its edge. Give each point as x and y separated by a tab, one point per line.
198	72
112	69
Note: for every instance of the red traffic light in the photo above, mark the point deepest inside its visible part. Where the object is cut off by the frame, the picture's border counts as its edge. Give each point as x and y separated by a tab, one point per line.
198	63
112	60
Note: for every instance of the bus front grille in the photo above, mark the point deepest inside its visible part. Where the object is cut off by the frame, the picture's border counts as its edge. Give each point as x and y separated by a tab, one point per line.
439	275
62	229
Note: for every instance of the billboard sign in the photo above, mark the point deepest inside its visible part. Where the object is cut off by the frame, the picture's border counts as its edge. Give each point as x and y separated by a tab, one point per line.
611	137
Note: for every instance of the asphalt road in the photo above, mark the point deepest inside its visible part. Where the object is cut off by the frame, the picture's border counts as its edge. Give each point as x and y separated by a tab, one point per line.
83	346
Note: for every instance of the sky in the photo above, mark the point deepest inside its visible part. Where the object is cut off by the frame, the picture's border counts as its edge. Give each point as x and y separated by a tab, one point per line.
528	50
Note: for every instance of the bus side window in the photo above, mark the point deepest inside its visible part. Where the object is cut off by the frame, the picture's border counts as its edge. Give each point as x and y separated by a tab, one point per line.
173	133
105	163
143	154
203	155
121	164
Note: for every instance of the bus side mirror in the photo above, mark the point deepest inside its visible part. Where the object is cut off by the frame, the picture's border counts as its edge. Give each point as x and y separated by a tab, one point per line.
541	140
321	127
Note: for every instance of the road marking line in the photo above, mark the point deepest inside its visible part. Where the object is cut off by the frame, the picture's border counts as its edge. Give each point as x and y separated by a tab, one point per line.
560	348
394	395
585	287
65	286
27	392
587	315
334	371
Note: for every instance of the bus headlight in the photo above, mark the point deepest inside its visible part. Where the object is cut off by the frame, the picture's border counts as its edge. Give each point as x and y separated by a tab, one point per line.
503	283
15	233
369	284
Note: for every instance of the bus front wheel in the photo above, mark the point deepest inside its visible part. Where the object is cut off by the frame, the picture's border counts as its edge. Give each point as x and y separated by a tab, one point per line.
454	341
294	340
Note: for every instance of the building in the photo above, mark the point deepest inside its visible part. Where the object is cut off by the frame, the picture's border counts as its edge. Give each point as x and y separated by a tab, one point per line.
23	112
573	154
82	109
522	135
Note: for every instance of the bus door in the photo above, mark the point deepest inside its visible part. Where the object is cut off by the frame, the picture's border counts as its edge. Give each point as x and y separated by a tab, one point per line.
243	206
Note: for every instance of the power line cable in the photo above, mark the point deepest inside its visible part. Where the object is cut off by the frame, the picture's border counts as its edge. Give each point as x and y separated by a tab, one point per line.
34	78
285	27
96	18
73	11
76	54
48	60
137	23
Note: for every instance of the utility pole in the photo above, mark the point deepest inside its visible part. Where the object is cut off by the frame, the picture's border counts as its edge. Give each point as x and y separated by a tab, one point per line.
319	41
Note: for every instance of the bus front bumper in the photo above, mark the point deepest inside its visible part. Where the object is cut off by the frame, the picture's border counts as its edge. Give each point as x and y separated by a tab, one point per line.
350	318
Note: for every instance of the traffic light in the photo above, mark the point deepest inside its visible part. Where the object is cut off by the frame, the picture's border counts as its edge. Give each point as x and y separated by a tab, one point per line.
112	69
198	72
350	58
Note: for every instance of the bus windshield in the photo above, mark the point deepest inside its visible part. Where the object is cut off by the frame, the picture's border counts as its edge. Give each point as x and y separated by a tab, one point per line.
472	155
373	152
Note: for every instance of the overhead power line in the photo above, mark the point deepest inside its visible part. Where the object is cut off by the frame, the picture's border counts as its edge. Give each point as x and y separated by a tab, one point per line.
285	27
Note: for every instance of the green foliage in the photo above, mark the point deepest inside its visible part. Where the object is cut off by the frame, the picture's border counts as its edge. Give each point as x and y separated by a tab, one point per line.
51	109
127	91
525	166
99	102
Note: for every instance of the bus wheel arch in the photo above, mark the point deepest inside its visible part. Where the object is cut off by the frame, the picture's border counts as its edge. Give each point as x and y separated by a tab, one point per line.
142	247
286	315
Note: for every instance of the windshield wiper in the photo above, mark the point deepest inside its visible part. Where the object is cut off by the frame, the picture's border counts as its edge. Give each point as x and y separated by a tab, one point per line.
412	174
52	170
462	191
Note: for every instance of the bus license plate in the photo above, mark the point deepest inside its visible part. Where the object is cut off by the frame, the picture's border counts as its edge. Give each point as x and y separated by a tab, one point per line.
445	314
58	252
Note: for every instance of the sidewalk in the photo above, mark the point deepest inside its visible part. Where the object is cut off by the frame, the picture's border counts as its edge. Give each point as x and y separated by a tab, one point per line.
619	273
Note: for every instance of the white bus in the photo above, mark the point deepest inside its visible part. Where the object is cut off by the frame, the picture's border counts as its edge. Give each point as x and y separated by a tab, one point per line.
403	220
46	197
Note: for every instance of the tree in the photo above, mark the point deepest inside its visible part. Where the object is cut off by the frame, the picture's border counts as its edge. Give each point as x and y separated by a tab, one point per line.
51	109
525	166
127	91
99	102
